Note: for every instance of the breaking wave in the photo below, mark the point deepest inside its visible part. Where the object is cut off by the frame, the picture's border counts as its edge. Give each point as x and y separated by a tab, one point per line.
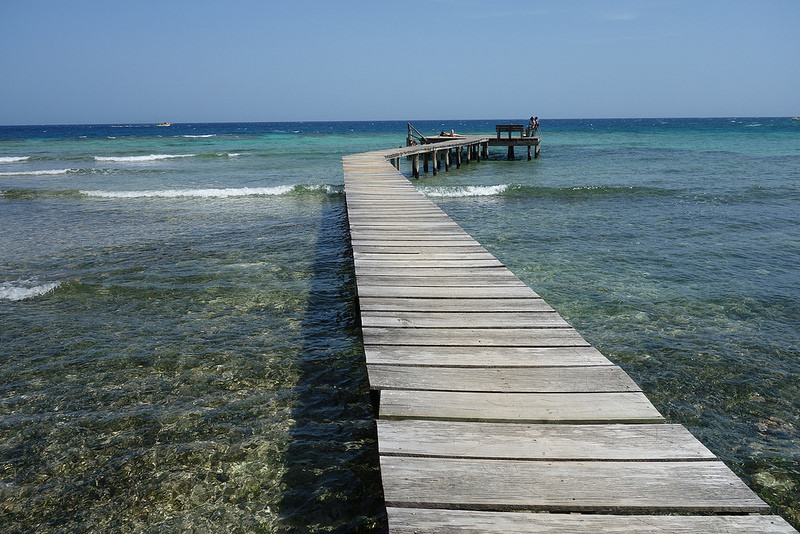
48	172
278	190
141	159
25	289
518	190
464	191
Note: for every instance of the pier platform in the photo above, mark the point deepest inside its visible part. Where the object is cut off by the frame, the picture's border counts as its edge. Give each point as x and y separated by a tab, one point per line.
494	414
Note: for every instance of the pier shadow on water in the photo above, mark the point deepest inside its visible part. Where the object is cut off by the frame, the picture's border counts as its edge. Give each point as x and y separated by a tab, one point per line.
331	479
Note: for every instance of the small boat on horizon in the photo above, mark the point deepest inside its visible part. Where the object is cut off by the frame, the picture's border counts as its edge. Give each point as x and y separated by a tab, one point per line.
164	124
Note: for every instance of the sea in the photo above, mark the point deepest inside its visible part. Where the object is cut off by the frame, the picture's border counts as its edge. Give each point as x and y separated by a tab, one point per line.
180	349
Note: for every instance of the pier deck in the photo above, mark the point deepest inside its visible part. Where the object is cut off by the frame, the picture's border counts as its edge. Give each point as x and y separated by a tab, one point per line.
491	406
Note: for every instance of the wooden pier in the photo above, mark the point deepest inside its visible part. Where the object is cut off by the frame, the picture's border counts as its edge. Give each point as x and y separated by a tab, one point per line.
494	415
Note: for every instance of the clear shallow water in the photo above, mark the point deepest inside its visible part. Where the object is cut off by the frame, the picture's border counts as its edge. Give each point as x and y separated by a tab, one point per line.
180	344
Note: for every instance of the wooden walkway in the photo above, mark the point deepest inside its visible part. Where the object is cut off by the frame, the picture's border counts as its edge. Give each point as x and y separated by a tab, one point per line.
492	407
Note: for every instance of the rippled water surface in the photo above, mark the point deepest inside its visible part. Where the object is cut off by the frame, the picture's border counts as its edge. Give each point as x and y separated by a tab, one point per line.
180	344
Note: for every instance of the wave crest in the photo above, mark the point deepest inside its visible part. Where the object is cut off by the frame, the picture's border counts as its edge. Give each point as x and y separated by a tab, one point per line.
25	289
13	159
519	190
141	159
465	190
47	172
220	192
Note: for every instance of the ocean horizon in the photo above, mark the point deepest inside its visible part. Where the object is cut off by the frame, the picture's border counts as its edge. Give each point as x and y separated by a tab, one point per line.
181	346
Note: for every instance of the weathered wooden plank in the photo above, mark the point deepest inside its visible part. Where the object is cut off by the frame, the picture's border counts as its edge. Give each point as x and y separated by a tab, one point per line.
445	293
360	231
402	209
519	407
433	253
443	235
422	305
432	241
438	521
581	379
410	225
389	200
468	250
483	356
580	486
424	262
488	279
514	441
498	271
444	319
449	245
477	337
392	202
408	232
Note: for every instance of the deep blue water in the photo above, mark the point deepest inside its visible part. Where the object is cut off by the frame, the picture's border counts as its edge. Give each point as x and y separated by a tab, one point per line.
180	347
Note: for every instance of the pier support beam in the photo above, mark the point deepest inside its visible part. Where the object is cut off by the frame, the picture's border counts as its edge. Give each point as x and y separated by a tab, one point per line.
510	151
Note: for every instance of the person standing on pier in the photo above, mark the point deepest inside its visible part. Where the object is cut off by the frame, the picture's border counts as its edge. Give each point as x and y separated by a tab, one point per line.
533	126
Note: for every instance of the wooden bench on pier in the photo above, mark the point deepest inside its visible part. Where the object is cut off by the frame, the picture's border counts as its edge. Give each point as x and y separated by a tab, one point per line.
526	138
510	129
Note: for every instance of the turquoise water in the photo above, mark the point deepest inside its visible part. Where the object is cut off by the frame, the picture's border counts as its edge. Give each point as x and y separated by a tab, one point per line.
180	343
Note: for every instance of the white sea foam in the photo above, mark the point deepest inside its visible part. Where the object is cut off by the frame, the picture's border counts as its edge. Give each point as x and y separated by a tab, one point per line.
13	159
205	193
141	159
25	289
199	136
464	191
47	172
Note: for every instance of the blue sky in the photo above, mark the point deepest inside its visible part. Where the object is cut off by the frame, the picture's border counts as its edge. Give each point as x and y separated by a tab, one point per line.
81	61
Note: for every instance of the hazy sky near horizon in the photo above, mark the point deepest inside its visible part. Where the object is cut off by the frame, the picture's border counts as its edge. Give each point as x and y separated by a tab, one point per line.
82	61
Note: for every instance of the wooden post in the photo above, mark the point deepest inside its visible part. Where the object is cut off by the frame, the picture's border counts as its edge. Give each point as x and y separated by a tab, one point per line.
435	162
536	151
529	152
425	158
458	157
478	152
415	166
510	151
447	159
